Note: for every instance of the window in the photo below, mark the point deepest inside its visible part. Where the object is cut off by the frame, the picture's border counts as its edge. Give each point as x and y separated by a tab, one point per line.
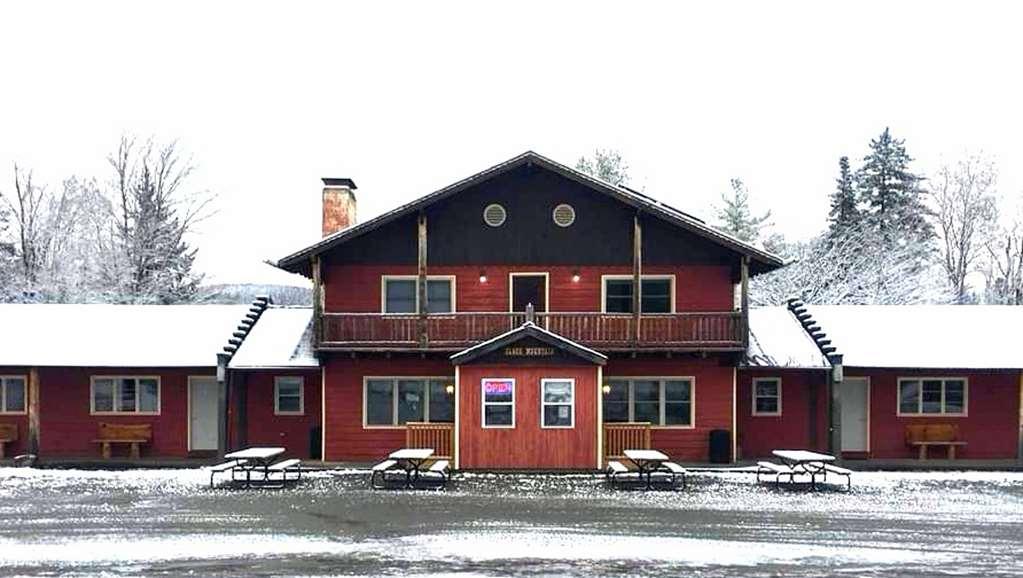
499	402
662	401
12	394
116	394
766	396
400	294
395	401
558	403
289	395
656	296
932	396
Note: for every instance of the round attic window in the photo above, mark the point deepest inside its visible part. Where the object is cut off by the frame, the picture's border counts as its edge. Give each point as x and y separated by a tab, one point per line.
564	215
494	215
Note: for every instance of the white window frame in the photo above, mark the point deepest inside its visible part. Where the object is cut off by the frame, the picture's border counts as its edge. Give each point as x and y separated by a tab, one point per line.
920	399
544	403
546	288
777	382
116	379
3	393
662	379
394	379
278	379
484	403
383	291
603	290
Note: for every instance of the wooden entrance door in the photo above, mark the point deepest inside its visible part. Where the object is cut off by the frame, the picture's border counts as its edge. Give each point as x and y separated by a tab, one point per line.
528	288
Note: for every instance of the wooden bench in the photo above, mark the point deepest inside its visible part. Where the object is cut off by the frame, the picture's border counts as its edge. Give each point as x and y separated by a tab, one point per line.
8	434
934	434
129	434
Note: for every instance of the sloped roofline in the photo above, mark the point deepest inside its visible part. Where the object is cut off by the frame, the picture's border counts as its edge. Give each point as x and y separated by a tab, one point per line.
298	262
528	329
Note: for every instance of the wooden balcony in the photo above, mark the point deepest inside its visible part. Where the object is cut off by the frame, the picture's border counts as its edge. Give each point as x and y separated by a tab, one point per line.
723	331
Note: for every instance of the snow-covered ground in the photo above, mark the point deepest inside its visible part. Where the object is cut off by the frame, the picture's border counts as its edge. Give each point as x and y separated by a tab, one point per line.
168	522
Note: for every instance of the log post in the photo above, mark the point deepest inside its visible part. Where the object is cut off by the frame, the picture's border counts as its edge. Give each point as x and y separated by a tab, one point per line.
222	404
33	411
317	302
637	276
835	377
421	282
744	299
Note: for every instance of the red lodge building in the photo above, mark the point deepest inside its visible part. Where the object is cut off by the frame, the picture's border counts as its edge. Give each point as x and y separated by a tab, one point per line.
526	317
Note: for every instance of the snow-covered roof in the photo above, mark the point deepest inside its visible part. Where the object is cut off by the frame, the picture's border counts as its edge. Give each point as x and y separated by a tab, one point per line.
283	337
778	340
51	335
924	336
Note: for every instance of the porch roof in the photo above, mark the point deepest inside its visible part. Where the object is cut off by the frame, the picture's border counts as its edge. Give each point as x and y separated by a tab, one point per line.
776	339
528	329
282	338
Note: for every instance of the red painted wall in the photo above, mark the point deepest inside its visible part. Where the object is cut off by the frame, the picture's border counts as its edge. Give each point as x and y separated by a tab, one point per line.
990	428
346	438
527	445
68	430
356	288
713	397
20	420
288	431
796	427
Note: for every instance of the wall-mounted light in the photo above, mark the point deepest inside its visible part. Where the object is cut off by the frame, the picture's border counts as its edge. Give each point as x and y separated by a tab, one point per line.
575	276
483	276
606	388
450	388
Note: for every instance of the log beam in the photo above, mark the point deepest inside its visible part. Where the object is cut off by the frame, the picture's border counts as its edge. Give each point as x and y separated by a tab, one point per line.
421	280
637	276
33	411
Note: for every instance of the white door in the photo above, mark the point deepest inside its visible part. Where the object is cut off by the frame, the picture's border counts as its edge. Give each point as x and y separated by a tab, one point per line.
202	413
855	403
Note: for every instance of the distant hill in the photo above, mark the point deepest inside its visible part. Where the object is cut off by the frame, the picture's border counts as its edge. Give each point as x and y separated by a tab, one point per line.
245	292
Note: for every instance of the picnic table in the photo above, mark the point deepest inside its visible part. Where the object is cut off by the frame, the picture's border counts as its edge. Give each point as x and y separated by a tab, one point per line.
647	462
411	460
255	460
812	463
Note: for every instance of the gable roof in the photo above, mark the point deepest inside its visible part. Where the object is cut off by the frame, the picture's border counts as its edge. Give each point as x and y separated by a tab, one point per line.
282	338
923	336
777	339
96	335
528	329
761	261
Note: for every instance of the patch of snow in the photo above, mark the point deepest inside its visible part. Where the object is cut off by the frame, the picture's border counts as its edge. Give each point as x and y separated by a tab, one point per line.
281	338
778	340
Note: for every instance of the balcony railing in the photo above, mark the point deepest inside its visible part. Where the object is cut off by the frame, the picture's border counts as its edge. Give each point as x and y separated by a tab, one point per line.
719	330
622	436
440	437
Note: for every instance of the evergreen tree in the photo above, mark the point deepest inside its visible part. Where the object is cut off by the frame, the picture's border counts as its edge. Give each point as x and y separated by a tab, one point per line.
844	215
735	216
607	165
892	197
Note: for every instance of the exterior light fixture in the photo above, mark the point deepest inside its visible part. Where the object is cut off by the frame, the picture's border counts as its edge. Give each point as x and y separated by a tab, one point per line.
483	276
450	388
575	276
606	388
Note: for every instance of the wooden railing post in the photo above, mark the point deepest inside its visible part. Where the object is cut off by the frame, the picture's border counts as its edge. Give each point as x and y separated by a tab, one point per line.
421	282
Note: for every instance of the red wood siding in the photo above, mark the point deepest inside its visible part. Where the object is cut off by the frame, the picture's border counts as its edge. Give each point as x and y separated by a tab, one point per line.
356	288
796	427
990	428
287	431
20	420
527	445
713	397
346	438
68	430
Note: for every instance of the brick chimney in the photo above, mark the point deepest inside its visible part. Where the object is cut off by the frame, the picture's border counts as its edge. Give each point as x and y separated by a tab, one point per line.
338	205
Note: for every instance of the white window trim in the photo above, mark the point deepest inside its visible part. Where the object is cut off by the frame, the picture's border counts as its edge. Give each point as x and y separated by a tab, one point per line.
277	394
3	394
920	400
383	291
661	379
544	403
546	288
115	378
603	290
484	403
394	398
777	381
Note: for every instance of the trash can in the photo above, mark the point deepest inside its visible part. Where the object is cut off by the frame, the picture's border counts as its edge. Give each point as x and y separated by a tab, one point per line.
720	446
315	443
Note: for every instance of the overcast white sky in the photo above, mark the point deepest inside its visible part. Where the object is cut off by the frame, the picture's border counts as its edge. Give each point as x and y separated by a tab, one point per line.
407	98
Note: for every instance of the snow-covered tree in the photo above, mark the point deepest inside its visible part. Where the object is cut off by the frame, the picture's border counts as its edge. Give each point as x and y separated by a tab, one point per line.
844	214
605	164
735	216
892	198
1003	264
966	212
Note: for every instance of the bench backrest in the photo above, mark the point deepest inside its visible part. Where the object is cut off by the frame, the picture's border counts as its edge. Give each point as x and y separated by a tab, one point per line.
8	432
120	431
932	432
